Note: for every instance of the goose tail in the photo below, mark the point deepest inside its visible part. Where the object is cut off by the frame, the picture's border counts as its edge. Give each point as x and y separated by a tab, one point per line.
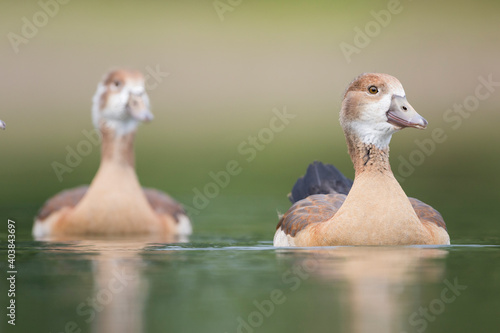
320	179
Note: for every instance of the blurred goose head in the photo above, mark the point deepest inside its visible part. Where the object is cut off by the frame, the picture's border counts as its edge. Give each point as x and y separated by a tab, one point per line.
121	102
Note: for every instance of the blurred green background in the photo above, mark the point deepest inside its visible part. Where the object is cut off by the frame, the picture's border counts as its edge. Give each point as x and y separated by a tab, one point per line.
225	78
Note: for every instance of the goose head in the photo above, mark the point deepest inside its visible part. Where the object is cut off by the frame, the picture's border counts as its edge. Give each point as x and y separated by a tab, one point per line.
375	107
121	102
2	124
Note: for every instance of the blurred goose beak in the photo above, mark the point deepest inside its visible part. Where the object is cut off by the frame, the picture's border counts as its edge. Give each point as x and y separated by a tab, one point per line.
2	124
138	109
402	114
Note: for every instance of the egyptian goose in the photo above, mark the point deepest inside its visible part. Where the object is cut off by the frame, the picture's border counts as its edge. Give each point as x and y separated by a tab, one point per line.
330	210
114	204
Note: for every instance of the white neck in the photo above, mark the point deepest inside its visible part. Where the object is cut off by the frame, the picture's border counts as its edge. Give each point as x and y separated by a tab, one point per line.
369	134
121	127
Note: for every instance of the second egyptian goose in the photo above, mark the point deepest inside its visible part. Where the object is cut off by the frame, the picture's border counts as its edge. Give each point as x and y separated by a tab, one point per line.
374	210
114	204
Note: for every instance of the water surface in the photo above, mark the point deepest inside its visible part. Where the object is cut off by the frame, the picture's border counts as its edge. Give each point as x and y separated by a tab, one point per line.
230	284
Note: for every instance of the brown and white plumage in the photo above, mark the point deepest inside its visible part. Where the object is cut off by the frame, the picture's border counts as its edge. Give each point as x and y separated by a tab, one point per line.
374	210
114	204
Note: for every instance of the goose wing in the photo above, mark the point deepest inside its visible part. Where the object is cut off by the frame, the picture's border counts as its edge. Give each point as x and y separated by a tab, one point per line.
313	209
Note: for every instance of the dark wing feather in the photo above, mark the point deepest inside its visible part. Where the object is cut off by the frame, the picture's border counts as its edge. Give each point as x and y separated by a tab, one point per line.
68	198
320	179
163	204
314	209
427	213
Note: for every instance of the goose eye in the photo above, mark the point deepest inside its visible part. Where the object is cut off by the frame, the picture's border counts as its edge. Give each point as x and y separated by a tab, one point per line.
373	90
117	83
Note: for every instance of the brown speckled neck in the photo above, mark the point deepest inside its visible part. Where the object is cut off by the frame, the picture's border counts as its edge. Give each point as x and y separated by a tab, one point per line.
367	157
118	149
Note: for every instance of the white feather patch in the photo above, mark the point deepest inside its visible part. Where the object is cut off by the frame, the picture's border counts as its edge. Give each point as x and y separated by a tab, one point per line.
184	227
372	127
43	229
114	112
282	240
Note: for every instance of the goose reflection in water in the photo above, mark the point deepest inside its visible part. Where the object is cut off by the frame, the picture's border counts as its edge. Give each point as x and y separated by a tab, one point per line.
380	290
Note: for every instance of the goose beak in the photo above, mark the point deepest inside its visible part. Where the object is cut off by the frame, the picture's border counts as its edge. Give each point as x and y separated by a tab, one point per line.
2	125
402	114
138	109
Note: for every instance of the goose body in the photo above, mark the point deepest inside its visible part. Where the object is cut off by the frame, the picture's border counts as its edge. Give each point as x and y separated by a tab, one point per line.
373	210
114	204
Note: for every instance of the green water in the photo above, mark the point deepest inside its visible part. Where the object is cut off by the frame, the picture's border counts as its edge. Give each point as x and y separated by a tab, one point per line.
241	283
